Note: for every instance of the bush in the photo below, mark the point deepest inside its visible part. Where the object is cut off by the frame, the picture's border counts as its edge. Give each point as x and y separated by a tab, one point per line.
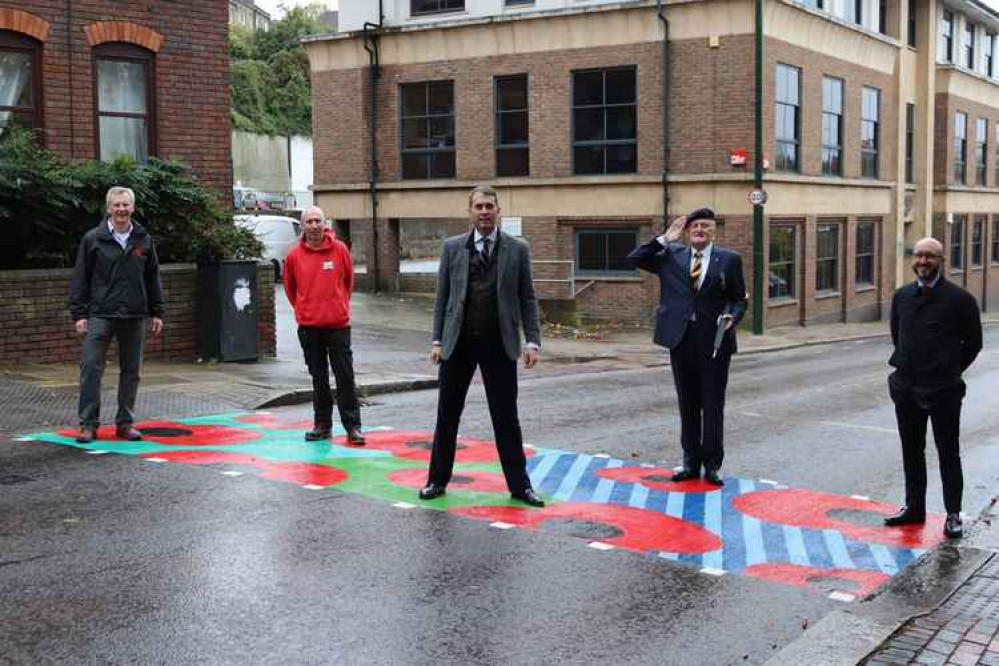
47	204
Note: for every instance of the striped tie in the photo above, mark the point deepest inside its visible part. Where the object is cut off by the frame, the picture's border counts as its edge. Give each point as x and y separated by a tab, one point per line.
695	270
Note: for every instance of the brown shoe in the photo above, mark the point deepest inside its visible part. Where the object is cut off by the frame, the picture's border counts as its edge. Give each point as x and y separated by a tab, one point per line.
128	432
87	435
355	437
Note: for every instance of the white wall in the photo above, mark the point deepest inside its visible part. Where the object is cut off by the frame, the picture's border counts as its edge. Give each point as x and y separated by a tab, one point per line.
274	164
301	170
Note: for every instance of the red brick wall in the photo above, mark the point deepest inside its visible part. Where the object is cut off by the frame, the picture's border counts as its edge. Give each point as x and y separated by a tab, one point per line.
191	76
35	326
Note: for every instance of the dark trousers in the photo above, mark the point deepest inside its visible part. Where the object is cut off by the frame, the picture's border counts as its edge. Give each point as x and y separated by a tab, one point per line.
326	348
943	409
700	391
131	336
499	375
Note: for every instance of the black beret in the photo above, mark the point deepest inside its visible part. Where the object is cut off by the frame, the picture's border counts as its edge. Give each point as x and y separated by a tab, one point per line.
701	214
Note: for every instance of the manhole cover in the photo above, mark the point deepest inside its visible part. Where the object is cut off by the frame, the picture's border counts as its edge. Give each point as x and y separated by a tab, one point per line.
858	517
14	479
166	432
582	529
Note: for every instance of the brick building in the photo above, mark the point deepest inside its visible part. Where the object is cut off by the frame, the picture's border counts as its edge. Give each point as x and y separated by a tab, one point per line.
99	79
881	125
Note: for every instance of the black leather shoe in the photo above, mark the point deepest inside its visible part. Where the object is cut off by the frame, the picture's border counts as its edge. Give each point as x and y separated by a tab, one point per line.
129	433
432	491
906	516
87	435
355	437
529	497
711	476
685	474
317	433
953	528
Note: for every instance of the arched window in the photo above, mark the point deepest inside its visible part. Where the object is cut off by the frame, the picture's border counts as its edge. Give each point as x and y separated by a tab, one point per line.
125	101
20	81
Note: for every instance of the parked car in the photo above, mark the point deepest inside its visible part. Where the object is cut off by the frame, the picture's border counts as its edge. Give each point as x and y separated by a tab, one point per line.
275	201
278	234
245	198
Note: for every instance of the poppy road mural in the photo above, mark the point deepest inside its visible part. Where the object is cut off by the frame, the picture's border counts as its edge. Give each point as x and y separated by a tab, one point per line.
830	543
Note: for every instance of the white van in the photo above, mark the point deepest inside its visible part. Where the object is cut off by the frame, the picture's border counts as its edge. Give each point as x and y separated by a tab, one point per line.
278	234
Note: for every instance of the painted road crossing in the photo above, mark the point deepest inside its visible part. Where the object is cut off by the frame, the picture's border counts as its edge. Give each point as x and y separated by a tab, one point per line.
834	544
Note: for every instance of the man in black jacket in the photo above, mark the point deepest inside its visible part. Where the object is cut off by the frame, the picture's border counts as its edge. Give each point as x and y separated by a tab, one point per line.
937	332
116	287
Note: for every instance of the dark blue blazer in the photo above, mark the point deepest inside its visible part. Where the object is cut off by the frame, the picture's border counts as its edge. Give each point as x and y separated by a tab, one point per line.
723	290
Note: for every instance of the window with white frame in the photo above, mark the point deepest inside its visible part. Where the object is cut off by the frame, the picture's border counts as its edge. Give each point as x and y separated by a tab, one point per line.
125	102
960	147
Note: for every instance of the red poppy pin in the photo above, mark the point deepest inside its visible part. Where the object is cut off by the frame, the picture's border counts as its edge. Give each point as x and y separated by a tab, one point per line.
138	252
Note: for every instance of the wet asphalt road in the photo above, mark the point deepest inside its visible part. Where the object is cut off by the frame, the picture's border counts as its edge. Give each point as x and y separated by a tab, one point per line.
106	559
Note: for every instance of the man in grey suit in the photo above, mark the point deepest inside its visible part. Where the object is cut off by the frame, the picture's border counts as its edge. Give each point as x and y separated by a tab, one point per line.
485	295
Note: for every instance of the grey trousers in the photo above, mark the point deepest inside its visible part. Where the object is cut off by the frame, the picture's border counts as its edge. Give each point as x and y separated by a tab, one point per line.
131	336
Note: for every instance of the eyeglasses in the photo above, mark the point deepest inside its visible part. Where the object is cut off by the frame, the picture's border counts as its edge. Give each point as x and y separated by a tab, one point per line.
927	255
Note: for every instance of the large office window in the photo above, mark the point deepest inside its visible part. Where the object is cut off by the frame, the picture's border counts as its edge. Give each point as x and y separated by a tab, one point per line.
969	45
995	239
827	257
125	102
960	147
995	131
911	37
604	252
910	143
977	240
435	6
787	129
832	126
20	82
870	132
428	130
990	53
783	243
981	150
865	254
814	4
947	36
605	121
512	127
957	243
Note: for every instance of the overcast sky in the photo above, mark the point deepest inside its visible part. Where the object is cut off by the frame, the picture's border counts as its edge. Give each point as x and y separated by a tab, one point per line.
274	7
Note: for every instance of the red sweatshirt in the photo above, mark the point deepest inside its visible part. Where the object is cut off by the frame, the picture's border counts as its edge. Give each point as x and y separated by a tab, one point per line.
319	282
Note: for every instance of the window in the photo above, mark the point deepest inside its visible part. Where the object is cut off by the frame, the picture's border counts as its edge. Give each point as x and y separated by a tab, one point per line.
990	53
981	150
512	131
995	239
783	241
604	121
969	45
883	17
511	3
814	4
428	130
912	24
957	243
832	126
910	143
20	82
788	120
977	233
125	102
853	11
947	36
865	254
604	251
960	147
995	129
435	6
870	132
827	257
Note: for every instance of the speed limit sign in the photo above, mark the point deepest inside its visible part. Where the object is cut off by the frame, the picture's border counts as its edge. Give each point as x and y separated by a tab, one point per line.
757	197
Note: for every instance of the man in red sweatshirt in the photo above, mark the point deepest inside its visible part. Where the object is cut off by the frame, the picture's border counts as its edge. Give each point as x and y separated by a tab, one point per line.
319	280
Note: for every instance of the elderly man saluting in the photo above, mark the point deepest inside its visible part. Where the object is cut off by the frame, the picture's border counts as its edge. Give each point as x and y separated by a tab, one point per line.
115	288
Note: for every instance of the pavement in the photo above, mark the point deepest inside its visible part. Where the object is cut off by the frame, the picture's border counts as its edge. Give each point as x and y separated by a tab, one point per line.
943	609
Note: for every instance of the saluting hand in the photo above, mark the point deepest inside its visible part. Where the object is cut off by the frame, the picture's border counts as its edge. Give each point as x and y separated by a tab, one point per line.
675	231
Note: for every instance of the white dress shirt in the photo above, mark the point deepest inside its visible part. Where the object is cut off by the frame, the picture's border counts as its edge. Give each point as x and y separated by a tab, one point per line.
122	239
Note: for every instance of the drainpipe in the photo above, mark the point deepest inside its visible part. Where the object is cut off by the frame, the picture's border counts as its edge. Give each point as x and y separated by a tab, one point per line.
370	35
664	103
69	63
758	181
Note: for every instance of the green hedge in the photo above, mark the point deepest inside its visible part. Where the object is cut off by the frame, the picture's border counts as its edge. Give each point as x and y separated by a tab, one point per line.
48	203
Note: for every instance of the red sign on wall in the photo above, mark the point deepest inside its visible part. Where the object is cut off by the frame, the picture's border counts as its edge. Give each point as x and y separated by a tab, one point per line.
738	157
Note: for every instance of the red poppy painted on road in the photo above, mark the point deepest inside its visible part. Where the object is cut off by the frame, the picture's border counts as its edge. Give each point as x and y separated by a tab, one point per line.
858	582
174	433
416	445
291	472
482	482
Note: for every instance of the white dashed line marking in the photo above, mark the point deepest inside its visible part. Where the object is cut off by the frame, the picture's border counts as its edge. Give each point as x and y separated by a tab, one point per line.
863	498
97	452
404	505
232	473
600	545
769	482
602	455
500	525
312	486
711	571
841	596
156	460
858	426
